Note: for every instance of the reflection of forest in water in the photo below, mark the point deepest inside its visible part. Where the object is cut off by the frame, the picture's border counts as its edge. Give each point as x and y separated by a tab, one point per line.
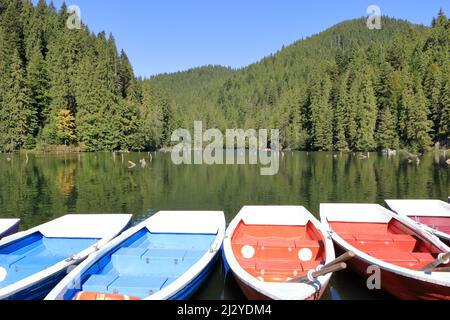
47	186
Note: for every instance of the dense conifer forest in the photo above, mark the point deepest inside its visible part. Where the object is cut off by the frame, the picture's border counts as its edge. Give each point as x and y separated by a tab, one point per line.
347	88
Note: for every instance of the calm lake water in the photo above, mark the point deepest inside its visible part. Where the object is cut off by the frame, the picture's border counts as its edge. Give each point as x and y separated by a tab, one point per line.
44	187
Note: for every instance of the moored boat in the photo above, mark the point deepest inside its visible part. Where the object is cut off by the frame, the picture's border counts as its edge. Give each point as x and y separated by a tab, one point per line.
412	263
8	227
32	262
274	251
166	257
432	214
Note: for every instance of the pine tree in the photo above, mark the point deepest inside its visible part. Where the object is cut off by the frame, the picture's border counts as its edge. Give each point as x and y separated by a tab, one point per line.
386	136
367	114
38	83
17	118
433	87
321	115
444	125
386	132
340	141
417	127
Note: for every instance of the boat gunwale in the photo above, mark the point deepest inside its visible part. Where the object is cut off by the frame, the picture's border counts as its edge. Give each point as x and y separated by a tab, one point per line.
434	278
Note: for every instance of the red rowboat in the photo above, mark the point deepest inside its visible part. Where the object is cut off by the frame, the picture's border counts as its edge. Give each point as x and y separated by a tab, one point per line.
432	214
399	249
267	247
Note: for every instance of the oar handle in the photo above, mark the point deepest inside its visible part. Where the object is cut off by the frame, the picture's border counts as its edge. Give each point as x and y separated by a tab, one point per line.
442	259
326	270
445	258
446	269
344	258
313	275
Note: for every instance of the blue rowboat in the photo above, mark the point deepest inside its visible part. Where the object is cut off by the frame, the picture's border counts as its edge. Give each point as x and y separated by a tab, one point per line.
34	261
8	227
166	257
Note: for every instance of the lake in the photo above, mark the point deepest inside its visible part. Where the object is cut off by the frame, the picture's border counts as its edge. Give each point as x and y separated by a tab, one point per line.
38	188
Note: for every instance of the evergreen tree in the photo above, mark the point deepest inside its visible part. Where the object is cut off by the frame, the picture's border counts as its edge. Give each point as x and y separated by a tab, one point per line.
367	114
321	115
17	118
38	83
386	136
340	141
417	127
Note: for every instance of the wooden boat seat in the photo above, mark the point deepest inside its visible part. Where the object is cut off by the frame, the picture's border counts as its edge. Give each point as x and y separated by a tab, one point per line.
99	282
153	262
356	228
276	243
285	266
245	239
410	260
281	253
115	284
138	286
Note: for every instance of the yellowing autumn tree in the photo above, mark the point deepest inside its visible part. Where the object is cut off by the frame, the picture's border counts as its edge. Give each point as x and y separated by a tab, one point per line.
65	125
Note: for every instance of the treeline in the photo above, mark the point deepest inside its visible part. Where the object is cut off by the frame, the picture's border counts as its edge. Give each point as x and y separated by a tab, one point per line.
348	88
61	86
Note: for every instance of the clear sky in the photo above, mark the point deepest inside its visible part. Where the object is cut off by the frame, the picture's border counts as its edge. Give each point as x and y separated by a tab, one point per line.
171	35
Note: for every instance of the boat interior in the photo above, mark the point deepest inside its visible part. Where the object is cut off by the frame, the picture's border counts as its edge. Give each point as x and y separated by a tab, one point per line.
36	253
438	223
275	250
144	264
391	242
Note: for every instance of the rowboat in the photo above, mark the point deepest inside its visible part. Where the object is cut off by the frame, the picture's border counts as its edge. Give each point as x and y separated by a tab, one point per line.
8	227
34	261
412	264
268	247
166	257
433	215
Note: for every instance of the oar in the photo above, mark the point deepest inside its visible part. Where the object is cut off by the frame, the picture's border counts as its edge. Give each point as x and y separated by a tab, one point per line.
446	269
344	258
442	259
311	277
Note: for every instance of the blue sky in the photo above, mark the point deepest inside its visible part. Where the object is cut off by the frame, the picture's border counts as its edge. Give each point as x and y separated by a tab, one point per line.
171	35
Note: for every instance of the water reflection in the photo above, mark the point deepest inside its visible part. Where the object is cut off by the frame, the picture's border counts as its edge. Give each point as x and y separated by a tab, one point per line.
39	188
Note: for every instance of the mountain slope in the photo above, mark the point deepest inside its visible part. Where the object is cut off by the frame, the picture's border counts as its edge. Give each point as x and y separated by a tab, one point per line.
348	73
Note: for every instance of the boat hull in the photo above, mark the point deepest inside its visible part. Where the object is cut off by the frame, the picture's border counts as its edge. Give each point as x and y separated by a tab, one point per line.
399	286
40	289
254	295
14	229
192	288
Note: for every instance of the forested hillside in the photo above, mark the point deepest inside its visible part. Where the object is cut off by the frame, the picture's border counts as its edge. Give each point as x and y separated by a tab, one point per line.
348	88
61	86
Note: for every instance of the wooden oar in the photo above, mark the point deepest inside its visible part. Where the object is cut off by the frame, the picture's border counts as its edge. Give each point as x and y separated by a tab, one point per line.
446	269
344	258
442	259
316	274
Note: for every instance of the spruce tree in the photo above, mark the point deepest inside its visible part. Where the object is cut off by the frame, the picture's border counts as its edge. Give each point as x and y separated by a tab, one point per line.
367	114
38	83
18	119
339	124
417	127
